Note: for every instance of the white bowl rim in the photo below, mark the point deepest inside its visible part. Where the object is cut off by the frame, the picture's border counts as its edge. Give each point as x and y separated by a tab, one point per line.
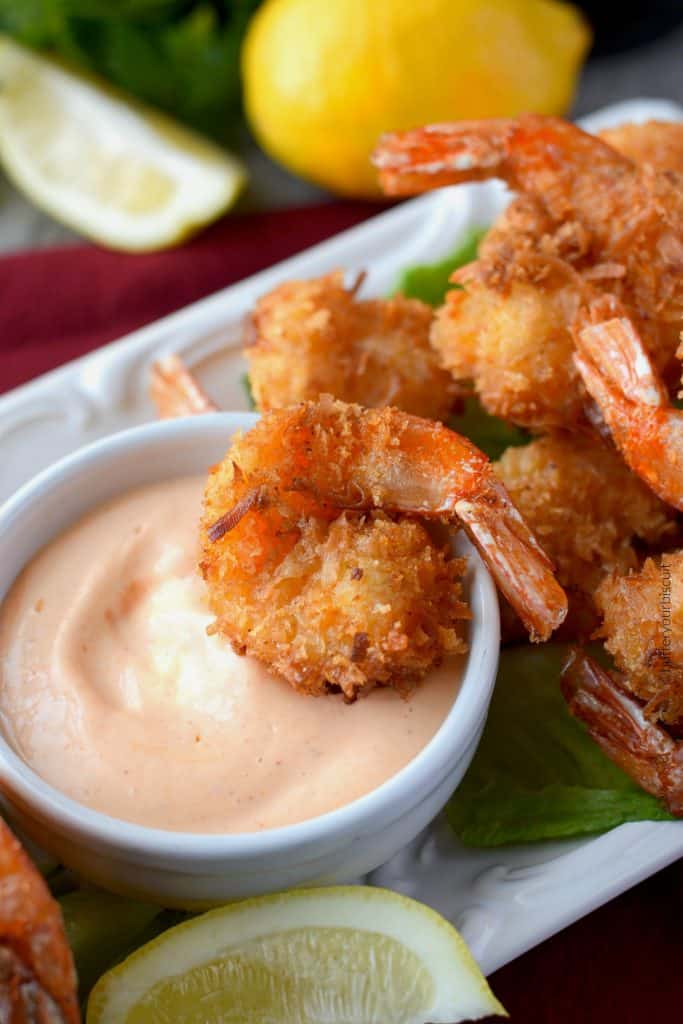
420	774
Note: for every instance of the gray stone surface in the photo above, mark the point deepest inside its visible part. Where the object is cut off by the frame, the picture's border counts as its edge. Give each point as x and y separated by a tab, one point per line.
653	71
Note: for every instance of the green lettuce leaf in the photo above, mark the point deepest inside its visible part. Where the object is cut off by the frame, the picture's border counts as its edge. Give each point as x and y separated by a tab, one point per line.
429	281
537	774
249	394
102	928
488	432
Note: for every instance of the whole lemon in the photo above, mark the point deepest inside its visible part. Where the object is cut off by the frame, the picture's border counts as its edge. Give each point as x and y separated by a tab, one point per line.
324	78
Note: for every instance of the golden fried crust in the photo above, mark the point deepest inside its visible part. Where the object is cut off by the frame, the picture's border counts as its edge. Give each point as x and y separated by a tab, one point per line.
509	331
586	508
349	603
643	630
37	975
306	338
659	143
516	347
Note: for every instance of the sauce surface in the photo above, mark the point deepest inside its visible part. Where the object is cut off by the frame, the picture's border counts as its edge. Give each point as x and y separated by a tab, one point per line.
112	691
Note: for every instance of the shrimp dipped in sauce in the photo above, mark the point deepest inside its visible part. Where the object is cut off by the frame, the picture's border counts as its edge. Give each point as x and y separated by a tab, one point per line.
586	219
37	975
317	521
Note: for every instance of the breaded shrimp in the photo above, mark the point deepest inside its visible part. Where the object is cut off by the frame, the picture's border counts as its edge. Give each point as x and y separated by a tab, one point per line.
586	509
516	348
643	630
306	338
636	715
587	221
358	602
597	201
37	975
659	143
646	750
271	522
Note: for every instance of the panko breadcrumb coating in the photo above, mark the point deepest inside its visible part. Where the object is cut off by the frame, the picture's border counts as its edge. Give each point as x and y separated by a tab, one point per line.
586	508
659	143
516	349
317	560
315	459
360	602
306	338
38	983
330	600
587	225
643	630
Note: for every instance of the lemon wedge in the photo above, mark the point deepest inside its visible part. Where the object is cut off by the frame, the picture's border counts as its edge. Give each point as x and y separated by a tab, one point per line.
345	955
116	171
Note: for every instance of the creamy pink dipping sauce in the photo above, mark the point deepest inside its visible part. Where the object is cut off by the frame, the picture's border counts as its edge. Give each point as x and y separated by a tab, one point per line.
112	691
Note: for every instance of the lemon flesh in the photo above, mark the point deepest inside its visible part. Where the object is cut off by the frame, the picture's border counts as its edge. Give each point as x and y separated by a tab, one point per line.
323	80
346	955
115	171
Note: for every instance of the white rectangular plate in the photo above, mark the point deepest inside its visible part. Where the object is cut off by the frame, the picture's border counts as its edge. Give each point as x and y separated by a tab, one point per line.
504	900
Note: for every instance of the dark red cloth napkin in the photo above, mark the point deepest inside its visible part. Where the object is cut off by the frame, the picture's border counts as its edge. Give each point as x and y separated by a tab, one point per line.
619	964
56	304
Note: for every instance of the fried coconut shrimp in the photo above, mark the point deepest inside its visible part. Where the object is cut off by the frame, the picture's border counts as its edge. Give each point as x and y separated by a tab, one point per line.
317	556
659	143
636	713
587	220
306	338
515	345
37	975
643	630
586	509
358	602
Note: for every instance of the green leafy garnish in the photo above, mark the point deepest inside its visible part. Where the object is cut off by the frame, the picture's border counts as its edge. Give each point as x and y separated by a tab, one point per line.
429	281
537	774
246	385
102	928
179	55
488	432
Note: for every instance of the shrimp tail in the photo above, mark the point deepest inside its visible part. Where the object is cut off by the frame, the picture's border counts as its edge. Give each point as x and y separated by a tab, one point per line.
535	154
520	567
442	154
175	391
618	724
617	372
615	346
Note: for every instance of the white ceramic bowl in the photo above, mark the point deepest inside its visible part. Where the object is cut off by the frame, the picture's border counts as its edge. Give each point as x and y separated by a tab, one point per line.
189	869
